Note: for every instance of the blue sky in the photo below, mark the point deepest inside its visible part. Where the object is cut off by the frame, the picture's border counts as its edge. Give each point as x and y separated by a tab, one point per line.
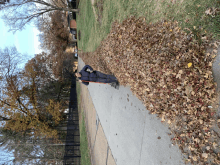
5	157
27	43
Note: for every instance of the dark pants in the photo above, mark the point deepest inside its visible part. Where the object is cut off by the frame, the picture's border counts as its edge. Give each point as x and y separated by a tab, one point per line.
105	78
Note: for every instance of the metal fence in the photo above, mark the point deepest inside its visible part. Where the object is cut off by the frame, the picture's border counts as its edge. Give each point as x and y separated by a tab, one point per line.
72	146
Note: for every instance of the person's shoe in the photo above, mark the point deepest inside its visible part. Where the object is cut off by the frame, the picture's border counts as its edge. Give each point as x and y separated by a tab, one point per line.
117	85
113	84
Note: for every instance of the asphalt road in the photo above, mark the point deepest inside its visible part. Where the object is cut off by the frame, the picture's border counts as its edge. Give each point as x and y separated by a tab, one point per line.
134	136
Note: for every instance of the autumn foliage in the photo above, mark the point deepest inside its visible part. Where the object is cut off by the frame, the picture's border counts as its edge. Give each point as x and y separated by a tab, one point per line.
55	39
171	73
54	33
33	98
26	100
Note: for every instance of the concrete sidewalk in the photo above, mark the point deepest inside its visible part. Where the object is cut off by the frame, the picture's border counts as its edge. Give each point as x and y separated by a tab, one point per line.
98	145
134	136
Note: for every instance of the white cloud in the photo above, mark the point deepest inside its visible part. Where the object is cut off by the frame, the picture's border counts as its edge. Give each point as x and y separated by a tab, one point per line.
36	41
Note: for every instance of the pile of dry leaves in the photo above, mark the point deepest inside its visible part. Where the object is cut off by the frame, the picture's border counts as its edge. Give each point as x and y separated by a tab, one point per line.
171	74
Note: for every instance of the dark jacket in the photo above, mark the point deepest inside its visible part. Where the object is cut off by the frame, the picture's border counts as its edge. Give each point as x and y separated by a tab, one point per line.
87	76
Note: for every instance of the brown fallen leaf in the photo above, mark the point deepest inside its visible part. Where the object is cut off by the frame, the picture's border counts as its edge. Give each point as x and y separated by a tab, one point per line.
205	155
153	61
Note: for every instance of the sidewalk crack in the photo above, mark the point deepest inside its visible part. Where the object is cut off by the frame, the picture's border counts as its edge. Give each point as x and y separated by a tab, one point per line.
95	136
107	155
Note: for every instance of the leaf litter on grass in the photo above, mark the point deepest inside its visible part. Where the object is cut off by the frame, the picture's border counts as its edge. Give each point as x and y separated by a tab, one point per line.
172	75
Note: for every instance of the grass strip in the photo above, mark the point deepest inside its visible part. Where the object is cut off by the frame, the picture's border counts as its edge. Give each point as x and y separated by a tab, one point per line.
85	156
198	15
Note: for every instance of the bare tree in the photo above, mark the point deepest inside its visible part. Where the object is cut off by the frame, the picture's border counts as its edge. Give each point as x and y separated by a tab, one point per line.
10	58
19	13
54	32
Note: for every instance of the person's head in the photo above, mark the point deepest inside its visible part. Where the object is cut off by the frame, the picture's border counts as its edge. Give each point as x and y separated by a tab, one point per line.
77	74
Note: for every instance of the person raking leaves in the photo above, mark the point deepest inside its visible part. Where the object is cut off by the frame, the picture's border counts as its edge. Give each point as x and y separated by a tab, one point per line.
92	76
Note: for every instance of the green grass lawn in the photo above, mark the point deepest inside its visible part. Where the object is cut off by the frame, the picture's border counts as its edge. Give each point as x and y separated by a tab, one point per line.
189	13
195	15
85	156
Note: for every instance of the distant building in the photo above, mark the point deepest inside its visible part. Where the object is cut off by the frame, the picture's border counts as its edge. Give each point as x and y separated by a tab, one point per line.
4	1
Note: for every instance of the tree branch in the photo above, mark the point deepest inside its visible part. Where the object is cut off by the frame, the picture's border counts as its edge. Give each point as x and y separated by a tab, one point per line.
17	18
